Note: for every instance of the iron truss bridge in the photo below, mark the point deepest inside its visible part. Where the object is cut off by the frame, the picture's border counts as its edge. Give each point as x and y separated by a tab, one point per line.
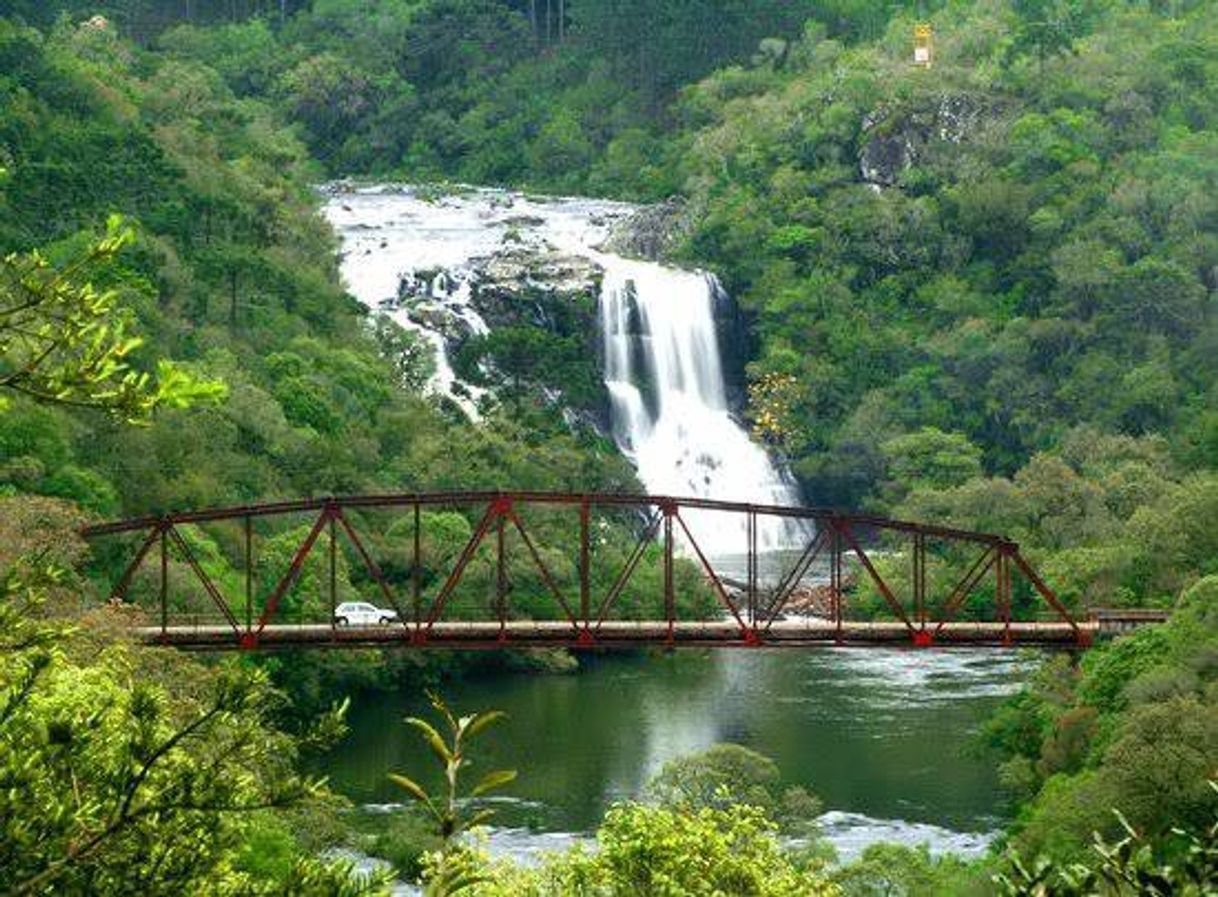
297	560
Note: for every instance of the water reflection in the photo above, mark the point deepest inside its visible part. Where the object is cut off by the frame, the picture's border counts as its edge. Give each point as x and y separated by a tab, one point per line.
880	735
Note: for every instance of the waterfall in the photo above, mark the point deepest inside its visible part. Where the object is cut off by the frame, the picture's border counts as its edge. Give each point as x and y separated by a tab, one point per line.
663	371
669	400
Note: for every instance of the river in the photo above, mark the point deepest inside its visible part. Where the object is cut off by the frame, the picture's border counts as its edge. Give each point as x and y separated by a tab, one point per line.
882	736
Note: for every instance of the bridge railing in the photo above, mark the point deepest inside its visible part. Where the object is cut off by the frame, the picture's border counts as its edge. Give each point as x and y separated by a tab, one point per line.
252	570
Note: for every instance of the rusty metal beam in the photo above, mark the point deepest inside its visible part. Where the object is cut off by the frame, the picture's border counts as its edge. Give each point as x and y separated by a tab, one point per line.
588	623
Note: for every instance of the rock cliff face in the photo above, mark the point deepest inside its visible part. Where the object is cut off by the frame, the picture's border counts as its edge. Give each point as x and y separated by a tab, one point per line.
735	347
894	140
520	312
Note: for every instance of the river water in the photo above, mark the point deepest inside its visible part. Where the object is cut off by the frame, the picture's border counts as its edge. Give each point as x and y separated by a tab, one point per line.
882	736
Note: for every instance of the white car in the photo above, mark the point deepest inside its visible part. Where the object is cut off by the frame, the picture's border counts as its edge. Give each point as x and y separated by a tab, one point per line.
360	613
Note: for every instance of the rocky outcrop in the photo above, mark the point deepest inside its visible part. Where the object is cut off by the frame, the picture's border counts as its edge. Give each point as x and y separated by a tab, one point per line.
895	140
650	232
542	288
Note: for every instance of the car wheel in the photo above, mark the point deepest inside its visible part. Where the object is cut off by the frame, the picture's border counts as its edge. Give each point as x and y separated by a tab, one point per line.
385	621
340	621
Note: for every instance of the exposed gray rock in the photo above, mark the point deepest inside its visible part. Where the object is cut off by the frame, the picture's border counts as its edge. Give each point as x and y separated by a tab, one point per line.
444	320
894	141
540	287
650	232
885	158
735	344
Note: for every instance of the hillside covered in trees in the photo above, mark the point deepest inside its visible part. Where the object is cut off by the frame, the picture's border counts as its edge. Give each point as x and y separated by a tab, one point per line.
981	293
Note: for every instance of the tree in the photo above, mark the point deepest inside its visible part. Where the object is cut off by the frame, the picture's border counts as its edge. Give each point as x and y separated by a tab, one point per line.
931	458
453	871
117	779
1047	27
728	774
64	341
1132	865
660	851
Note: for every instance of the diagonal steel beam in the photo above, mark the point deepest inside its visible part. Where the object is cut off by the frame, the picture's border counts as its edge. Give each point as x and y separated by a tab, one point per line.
1045	592
119	591
370	565
786	587
965	586
747	633
293	571
546	577
848	535
493	510
203	578
628	570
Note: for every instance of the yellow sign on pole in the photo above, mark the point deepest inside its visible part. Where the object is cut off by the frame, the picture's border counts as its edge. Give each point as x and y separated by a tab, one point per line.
924	52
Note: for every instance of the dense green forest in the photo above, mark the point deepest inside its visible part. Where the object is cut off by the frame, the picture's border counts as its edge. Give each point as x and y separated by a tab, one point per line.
981	293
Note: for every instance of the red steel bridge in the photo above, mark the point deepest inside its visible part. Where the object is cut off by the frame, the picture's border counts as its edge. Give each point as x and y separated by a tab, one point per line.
382	540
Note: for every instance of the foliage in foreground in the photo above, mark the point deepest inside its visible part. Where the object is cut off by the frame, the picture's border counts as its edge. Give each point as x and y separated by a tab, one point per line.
126	771
62	341
707	840
452	757
1129	866
663	853
1134	728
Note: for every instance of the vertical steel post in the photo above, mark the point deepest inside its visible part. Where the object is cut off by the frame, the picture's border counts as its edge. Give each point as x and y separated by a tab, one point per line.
416	572
500	577
585	587
921	638
1003	573
333	572
164	578
835	577
752	566
249	575
670	610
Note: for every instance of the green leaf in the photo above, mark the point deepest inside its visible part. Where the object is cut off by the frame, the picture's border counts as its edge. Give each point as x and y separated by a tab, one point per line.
482	720
493	780
477	819
438	703
433	738
414	788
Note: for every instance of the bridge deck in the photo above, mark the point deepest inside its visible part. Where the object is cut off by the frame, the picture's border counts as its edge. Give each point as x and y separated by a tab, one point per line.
615	634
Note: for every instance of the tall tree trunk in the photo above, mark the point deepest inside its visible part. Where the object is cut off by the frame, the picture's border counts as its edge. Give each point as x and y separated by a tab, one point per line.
549	20
533	19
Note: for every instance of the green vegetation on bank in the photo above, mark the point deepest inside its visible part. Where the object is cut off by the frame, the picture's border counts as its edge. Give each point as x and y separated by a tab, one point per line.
224	281
981	294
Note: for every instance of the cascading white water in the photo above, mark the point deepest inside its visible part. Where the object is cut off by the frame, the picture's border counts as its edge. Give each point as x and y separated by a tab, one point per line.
663	370
670	410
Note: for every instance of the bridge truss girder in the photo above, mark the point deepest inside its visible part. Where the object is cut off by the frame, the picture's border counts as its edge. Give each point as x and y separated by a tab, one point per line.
750	617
